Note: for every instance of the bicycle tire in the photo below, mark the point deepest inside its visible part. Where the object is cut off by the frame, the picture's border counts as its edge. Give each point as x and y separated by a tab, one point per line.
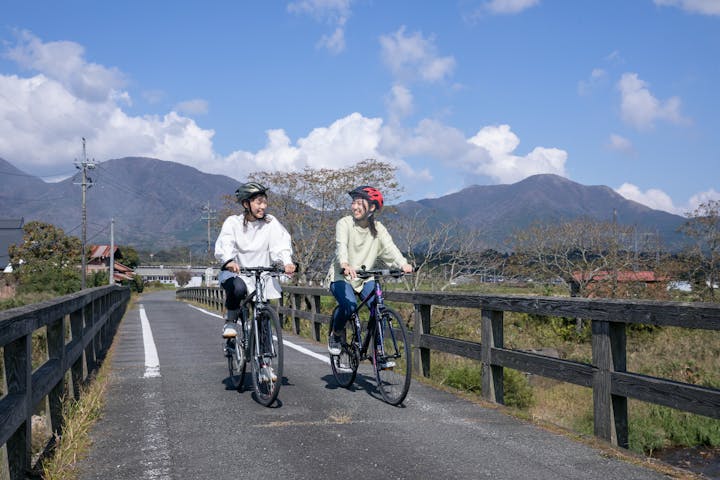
236	362
345	366
393	382
267	389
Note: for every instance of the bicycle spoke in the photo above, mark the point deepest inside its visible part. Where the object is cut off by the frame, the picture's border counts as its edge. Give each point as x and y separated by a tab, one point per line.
267	357
393	368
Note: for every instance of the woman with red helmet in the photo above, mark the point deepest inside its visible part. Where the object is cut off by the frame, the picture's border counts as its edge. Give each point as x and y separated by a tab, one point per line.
359	240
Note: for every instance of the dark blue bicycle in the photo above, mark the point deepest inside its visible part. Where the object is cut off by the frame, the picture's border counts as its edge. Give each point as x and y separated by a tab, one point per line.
378	335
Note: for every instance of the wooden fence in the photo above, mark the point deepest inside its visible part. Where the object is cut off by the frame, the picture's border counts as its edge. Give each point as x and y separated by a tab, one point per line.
607	373
79	329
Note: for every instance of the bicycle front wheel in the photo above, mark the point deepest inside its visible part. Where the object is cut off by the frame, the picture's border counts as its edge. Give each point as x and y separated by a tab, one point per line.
266	356
391	358
236	361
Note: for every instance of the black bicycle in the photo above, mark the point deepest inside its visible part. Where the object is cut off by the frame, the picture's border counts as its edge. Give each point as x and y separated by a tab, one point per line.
259	340
380	337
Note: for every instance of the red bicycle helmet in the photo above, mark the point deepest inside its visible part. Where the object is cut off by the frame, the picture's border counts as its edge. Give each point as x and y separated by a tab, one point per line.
372	195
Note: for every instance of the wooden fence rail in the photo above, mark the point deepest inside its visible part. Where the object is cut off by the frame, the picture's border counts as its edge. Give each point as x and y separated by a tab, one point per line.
79	329
607	373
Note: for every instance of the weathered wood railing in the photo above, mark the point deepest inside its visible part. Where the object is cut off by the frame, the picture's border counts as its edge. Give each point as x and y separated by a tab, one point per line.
607	373
79	330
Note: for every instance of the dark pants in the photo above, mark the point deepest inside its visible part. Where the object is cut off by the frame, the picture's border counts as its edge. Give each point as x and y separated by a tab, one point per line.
235	292
347	302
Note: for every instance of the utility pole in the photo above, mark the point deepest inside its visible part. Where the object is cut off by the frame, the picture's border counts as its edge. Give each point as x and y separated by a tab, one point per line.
208	214
86	183
111	279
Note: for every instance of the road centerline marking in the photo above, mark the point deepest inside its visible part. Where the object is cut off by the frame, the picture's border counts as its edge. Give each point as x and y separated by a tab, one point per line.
152	362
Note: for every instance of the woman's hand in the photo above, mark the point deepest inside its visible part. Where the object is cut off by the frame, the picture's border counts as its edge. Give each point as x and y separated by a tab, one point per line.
349	271
289	268
233	267
407	268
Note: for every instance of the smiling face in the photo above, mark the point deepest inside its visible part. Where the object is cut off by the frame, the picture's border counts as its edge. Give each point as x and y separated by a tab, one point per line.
256	207
360	209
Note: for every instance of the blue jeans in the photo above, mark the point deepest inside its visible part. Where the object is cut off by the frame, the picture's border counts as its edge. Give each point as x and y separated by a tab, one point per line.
347	302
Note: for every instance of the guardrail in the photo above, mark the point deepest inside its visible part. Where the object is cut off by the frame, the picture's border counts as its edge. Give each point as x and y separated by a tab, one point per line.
607	373
79	329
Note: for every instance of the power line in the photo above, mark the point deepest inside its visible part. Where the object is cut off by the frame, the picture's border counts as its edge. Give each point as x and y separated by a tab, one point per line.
208	214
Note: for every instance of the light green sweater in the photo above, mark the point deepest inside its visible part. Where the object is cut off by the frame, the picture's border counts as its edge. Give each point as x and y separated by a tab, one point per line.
356	246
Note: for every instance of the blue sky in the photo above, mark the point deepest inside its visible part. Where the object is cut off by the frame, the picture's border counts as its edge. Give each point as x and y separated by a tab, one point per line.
614	92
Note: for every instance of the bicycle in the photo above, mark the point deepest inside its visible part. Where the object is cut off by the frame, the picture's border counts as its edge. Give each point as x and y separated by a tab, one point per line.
259	341
389	352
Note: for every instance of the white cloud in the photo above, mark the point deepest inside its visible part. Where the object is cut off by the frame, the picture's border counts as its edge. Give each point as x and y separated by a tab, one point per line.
64	63
653	198
704	7
414	57
333	12
399	102
506	7
702	197
597	76
500	142
620	144
192	107
640	109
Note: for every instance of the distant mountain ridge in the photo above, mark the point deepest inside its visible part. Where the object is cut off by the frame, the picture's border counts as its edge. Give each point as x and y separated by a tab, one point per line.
157	204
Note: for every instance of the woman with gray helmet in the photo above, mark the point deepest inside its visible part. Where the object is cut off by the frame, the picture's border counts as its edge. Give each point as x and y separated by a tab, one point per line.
252	239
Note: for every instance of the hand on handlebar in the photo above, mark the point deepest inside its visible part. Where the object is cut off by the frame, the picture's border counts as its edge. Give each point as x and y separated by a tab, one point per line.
289	269
233	267
349	271
407	268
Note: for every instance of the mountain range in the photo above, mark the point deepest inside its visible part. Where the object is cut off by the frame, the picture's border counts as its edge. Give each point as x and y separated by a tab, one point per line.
159	204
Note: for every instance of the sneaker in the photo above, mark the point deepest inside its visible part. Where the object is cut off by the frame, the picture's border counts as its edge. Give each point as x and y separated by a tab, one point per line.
230	330
334	345
386	364
267	374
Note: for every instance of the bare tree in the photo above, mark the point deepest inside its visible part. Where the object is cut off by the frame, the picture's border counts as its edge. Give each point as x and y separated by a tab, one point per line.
311	201
443	253
182	277
702	260
579	252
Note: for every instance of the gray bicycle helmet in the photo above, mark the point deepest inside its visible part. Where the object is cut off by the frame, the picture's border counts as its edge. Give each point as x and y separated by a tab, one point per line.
247	191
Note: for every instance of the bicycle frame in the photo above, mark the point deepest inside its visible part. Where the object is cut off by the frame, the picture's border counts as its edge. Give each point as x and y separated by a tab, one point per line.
375	315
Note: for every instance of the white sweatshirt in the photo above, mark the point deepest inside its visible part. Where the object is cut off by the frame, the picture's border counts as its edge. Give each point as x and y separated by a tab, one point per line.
257	244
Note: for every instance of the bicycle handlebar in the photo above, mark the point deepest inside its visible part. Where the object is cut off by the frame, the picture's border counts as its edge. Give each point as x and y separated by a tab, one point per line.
275	270
382	272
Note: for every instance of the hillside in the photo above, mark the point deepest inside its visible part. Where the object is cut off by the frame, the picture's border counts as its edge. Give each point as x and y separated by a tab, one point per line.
158	204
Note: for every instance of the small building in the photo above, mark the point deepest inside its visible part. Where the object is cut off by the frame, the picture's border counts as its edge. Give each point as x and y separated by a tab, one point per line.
99	260
620	284
166	274
11	233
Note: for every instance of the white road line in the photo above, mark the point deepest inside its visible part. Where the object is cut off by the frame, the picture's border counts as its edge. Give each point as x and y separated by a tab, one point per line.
152	362
290	344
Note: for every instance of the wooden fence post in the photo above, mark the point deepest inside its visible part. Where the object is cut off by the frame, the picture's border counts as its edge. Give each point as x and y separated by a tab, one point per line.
56	350
18	376
296	302
608	354
76	371
315	308
422	326
491	337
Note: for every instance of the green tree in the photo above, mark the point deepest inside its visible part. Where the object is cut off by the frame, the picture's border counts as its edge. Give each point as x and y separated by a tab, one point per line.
47	259
702	260
130	256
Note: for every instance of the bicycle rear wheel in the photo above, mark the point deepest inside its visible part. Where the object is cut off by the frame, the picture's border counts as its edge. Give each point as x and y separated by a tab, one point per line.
236	361
267	358
393	367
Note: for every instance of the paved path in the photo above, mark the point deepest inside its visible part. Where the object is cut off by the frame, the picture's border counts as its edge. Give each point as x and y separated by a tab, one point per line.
183	421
